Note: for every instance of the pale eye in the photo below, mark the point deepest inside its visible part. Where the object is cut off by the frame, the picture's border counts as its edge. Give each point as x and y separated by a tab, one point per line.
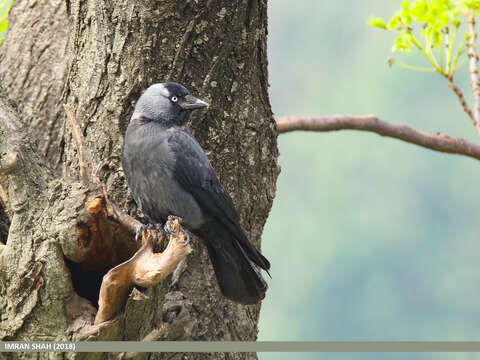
174	99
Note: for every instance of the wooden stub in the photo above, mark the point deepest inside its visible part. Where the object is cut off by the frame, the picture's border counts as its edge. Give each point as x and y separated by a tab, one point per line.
101	242
145	268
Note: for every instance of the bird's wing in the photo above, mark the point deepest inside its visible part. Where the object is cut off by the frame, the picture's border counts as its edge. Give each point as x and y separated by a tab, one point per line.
194	172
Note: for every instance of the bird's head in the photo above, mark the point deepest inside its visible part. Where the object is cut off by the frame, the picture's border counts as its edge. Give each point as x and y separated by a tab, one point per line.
168	103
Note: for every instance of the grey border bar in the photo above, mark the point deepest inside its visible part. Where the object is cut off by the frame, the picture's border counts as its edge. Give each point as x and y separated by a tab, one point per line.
242	346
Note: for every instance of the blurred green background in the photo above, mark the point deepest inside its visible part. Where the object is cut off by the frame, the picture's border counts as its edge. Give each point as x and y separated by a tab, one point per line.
370	238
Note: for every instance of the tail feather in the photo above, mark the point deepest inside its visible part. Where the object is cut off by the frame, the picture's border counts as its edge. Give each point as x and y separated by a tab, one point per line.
255	255
237	277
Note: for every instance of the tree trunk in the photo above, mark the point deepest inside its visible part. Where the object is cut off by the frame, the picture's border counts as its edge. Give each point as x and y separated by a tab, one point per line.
98	57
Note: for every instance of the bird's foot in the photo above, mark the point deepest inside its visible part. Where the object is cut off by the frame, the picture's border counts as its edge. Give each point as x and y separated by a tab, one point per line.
141	228
168	230
181	230
138	233
171	232
187	237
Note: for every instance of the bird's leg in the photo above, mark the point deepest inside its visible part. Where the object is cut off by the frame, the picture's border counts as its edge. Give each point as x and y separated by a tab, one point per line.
171	232
168	231
182	265
187	237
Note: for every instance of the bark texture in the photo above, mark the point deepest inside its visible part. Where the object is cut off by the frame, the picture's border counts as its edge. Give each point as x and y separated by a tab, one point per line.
33	69
99	64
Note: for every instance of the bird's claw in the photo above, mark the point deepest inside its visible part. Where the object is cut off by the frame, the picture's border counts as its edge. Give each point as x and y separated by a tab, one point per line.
187	237
138	233
169	232
141	228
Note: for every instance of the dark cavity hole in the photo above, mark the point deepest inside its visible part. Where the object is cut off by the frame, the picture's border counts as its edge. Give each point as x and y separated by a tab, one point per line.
86	283
4	224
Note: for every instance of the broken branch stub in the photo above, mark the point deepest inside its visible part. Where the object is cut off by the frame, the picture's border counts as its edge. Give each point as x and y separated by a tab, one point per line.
101	240
146	268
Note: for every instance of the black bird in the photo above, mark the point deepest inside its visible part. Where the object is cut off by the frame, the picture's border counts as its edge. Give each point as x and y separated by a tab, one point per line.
169	174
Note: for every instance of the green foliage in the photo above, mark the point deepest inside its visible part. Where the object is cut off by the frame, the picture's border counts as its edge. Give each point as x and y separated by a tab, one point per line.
4	9
377	22
431	26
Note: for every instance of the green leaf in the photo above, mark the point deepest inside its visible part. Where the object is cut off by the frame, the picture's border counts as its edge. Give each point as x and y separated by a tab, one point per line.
406	5
3	26
419	10
405	13
403	43
395	22
428	25
377	22
471	4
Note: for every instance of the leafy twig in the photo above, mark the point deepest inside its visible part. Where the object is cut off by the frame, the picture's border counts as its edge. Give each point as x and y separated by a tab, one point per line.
439	21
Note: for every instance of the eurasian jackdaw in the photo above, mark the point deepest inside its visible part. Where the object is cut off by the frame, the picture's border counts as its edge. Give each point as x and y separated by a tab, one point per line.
169	174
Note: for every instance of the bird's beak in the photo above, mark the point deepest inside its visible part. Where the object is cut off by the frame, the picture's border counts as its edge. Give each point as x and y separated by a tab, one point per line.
190	102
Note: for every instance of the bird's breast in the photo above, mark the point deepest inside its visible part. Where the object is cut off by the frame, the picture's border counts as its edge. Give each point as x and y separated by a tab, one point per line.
149	167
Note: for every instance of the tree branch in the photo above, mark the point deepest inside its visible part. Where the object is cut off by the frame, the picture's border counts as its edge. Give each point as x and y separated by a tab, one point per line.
128	222
437	142
461	98
475	83
80	141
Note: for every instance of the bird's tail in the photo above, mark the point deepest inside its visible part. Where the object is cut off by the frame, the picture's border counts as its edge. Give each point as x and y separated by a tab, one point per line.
237	278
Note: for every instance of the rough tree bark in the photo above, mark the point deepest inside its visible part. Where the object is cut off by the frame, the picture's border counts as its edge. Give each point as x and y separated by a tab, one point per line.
97	57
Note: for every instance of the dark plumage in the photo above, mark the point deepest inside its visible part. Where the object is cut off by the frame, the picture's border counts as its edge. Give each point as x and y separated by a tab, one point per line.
169	174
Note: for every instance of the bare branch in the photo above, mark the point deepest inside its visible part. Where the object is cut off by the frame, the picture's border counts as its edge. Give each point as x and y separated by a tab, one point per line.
82	154
128	222
461	98
472	54
437	142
